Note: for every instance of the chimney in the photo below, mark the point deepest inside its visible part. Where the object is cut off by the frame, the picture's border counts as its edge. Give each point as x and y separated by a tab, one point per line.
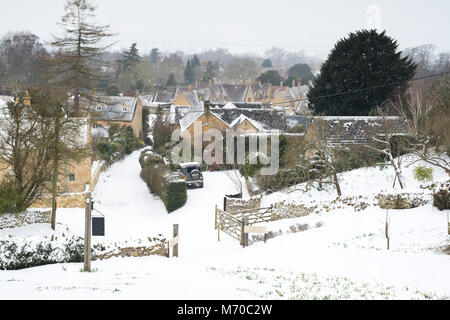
293	83
27	99
207	107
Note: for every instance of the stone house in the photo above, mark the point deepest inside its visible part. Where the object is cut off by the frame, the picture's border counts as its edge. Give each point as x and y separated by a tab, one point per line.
74	175
123	111
246	121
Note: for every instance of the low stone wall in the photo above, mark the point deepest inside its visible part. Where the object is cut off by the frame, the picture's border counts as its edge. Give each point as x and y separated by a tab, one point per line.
236	204
400	200
282	210
71	200
159	248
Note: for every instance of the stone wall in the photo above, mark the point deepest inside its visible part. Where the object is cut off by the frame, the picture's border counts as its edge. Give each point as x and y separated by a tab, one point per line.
72	200
236	204
400	200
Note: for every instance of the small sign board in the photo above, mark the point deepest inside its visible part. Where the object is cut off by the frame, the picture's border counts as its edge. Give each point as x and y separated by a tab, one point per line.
98	226
174	241
255	229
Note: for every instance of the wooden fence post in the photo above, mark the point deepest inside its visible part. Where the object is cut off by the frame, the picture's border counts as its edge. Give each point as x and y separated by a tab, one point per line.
175	234
215	218
387	228
225	203
245	234
87	233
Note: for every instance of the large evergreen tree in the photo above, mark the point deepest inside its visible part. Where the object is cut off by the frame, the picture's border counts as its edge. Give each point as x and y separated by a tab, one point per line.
270	76
171	81
364	59
189	74
154	56
267	63
76	63
300	71
131	57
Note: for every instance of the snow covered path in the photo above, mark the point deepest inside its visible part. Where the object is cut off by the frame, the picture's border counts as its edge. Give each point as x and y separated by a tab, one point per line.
208	269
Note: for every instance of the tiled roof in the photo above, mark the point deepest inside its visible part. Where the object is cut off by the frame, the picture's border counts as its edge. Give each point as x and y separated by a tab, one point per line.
235	93
358	130
114	109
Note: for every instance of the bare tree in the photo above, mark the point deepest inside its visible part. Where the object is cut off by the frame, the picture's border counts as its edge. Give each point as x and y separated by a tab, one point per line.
21	62
25	151
324	157
383	140
421	149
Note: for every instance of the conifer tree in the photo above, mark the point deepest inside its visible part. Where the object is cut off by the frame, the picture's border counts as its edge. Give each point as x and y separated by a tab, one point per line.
364	59
75	66
189	75
131	57
171	81
154	56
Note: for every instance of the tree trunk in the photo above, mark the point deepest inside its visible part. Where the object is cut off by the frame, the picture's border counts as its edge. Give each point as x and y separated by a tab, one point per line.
336	183
55	166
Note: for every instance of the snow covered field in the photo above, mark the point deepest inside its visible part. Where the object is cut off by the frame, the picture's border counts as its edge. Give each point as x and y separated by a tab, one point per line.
341	256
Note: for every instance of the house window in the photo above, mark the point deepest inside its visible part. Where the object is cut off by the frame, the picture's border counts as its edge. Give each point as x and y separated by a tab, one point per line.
98	108
124	109
72	177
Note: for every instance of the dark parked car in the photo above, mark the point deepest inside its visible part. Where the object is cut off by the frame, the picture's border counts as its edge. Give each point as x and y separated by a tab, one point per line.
192	173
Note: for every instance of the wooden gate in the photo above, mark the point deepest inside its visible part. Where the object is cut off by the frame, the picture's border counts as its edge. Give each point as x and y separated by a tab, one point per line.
236	223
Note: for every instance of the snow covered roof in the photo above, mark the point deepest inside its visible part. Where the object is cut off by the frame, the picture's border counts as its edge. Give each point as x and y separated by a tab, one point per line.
242	118
358	130
229	105
263	119
190	117
147	100
114	109
162	97
192	97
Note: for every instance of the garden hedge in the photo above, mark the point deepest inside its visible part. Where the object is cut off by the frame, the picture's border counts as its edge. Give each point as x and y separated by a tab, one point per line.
170	186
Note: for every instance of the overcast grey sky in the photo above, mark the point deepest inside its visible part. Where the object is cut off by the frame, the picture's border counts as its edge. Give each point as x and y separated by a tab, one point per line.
244	25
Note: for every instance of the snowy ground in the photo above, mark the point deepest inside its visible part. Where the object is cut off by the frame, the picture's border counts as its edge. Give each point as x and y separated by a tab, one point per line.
341	256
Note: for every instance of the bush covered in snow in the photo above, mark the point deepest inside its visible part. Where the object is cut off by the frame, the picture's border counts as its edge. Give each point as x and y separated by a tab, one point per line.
17	253
170	186
441	197
20	253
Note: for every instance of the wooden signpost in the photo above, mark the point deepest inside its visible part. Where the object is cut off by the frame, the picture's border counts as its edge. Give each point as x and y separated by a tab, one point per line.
87	233
173	243
256	229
